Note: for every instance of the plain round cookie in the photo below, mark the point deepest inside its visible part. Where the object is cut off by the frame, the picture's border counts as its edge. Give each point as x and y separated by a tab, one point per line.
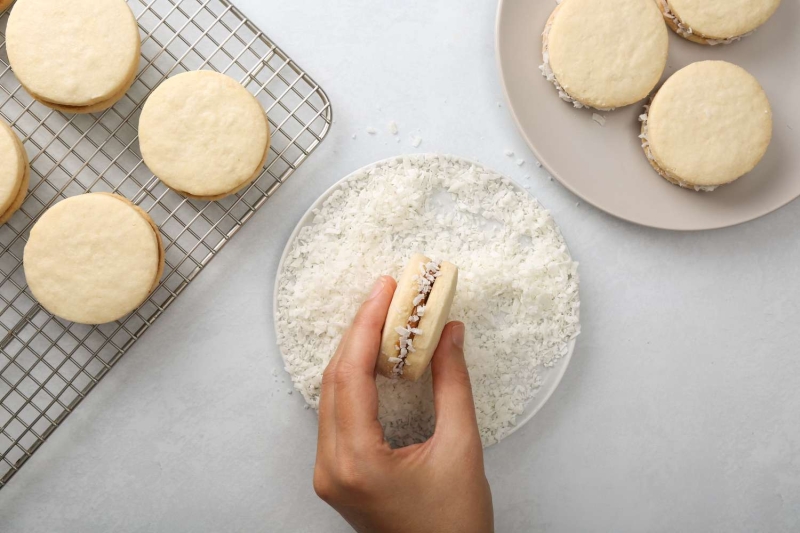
708	125
204	135
92	258
721	19
77	53
13	169
607	53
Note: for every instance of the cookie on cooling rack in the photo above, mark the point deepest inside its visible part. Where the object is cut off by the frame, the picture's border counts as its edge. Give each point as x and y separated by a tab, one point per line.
79	56
93	258
604	53
713	22
204	135
14	173
707	126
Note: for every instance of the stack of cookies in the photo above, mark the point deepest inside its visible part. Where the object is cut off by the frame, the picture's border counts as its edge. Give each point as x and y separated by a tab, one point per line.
96	257
14	173
79	56
710	123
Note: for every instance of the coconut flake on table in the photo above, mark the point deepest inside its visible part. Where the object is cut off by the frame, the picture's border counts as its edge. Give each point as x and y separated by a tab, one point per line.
600	119
392	127
416	141
372	131
517	291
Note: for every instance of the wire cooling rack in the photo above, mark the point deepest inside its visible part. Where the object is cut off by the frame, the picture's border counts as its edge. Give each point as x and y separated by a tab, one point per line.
49	365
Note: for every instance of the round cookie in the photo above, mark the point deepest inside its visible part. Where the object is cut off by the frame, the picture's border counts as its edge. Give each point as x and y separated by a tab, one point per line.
14	173
604	53
707	126
77	55
204	135
712	22
93	258
416	318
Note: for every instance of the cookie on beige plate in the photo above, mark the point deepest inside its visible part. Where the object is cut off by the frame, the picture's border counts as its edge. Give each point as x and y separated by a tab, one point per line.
417	316
93	258
707	126
14	173
713	22
204	135
604	53
79	56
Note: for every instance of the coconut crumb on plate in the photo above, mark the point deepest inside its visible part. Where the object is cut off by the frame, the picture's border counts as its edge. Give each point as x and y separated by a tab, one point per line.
517	295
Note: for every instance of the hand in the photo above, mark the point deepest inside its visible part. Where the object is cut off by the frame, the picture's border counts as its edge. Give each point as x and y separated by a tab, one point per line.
438	486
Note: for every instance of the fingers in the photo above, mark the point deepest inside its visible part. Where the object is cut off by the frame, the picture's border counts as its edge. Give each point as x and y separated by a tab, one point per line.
452	392
327	418
356	404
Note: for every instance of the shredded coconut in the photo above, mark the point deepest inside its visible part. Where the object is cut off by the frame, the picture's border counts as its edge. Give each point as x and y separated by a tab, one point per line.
508	153
665	173
517	290
372	131
392	127
686	32
416	141
600	119
520	162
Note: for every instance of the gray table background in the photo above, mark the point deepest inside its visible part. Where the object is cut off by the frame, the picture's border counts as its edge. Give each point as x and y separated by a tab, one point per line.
679	411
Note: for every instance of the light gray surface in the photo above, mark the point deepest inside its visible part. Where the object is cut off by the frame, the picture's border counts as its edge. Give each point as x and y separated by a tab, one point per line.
678	412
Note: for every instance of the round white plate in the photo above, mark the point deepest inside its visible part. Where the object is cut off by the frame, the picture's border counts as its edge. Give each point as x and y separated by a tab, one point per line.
551	377
606	166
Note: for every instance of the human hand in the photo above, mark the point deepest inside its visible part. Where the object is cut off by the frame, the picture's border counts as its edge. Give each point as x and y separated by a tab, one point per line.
437	486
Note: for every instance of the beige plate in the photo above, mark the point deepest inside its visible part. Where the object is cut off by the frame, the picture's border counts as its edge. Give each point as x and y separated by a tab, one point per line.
606	166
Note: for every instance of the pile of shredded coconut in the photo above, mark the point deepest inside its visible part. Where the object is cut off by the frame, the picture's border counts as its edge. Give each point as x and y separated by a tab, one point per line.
517	290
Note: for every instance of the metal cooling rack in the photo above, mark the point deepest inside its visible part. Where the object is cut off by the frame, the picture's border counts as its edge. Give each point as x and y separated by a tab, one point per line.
49	365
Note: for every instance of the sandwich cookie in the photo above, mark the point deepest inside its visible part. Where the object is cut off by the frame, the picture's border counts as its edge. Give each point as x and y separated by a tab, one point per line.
79	56
204	135
713	22
707	126
14	173
417	316
604	53
93	258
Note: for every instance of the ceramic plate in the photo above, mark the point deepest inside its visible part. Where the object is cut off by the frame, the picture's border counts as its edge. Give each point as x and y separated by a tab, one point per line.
605	165
551	377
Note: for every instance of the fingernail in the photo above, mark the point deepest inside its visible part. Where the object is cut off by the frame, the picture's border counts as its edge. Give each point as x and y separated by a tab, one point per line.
376	290
458	334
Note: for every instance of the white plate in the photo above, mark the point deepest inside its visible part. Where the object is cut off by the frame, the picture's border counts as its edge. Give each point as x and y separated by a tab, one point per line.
551	377
606	165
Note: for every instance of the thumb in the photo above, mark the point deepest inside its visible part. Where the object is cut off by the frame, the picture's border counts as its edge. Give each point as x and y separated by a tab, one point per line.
452	391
